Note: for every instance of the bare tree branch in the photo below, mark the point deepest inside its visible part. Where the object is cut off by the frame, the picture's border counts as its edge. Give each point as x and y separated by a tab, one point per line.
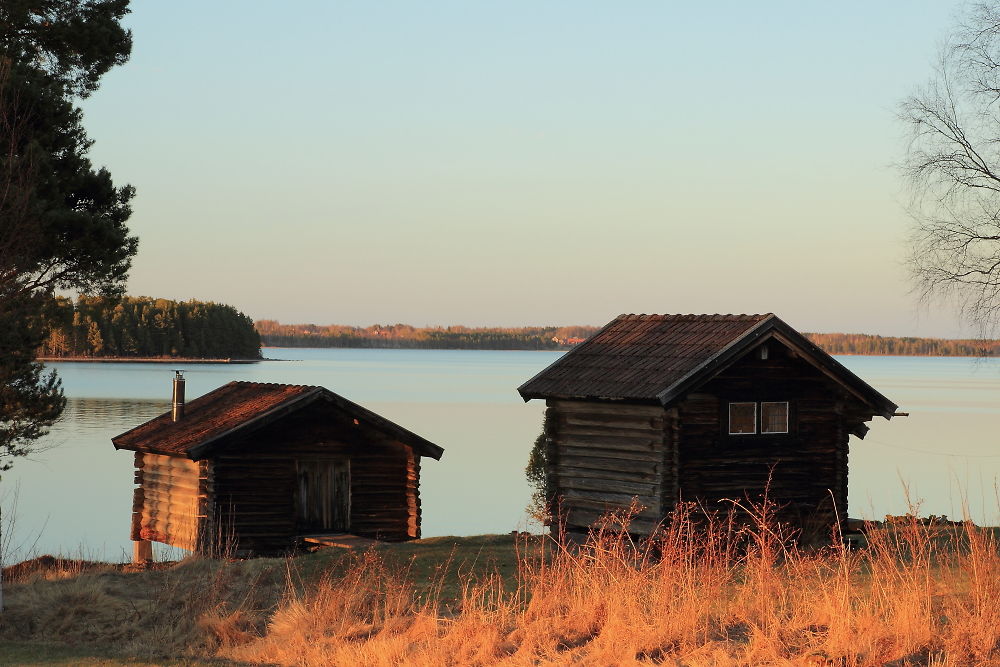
952	166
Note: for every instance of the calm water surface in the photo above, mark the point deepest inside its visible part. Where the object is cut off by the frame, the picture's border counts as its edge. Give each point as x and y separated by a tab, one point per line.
74	497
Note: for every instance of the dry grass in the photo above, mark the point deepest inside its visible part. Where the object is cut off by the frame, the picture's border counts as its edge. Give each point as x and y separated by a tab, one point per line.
702	594
153	614
714	594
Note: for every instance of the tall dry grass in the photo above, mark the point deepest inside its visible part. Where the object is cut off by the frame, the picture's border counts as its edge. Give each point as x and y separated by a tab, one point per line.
703	593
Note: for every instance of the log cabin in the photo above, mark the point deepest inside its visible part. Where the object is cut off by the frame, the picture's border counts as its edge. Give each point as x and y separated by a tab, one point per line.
711	409
253	468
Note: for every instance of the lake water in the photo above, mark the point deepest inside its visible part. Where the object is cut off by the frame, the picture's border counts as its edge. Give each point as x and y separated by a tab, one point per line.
74	496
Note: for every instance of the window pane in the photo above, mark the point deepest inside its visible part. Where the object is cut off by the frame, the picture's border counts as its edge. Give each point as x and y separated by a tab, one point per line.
742	417
774	417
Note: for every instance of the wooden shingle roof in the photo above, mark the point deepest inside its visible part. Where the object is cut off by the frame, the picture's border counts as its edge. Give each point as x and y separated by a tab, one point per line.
239	406
658	358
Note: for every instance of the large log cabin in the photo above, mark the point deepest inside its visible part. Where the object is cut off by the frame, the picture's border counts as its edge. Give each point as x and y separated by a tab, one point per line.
252	468
711	409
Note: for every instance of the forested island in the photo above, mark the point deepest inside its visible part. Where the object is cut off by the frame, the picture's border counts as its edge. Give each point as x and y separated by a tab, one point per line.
144	327
275	334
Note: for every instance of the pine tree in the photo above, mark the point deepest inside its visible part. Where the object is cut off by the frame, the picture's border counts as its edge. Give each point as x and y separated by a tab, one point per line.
63	221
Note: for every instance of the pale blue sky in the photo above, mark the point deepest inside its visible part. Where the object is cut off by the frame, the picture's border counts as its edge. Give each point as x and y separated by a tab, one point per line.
522	162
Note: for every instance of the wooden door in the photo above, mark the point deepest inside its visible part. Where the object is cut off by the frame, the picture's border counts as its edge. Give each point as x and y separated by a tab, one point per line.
324	495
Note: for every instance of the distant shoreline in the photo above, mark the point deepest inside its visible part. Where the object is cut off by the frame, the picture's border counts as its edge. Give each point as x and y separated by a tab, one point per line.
149	360
552	338
190	361
404	346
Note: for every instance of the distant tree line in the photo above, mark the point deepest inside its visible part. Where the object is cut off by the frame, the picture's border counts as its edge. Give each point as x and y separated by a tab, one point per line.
146	327
275	334
839	343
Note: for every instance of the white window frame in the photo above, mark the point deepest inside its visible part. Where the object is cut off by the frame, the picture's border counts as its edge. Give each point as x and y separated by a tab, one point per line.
730	418
762	404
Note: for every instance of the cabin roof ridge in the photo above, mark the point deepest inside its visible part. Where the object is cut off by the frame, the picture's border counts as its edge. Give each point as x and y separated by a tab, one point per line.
270	384
239	406
695	316
658	358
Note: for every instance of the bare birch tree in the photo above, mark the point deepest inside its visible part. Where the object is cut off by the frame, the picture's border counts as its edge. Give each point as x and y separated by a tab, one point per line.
952	165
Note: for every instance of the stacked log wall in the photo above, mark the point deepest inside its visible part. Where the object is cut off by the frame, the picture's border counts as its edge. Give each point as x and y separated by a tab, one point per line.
803	471
172	502
255	500
256	481
603	456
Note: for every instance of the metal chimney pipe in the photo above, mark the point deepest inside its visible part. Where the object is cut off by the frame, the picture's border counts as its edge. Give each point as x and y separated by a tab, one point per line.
178	399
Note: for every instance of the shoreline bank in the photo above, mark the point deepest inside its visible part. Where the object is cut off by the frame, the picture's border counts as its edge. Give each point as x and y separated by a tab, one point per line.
150	360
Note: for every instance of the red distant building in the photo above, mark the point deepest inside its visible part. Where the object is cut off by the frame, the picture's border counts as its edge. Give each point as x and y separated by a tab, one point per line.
567	341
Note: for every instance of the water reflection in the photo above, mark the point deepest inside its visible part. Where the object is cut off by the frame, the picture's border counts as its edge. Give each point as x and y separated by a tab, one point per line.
85	414
75	495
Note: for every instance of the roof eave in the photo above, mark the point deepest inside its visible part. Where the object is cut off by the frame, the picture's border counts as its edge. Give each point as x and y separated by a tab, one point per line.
589	397
378	422
812	354
837	371
527	396
157	451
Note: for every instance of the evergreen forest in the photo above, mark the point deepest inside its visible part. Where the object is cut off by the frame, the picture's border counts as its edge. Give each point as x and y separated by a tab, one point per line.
144	327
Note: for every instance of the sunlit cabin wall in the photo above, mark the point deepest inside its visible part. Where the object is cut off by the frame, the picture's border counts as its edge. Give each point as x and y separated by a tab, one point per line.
412	493
172	501
603	456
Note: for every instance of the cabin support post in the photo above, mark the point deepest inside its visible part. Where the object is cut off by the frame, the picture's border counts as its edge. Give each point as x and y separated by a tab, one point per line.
142	552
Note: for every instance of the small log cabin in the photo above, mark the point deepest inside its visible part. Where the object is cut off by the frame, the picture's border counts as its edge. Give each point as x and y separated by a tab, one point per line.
250	468
704	408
